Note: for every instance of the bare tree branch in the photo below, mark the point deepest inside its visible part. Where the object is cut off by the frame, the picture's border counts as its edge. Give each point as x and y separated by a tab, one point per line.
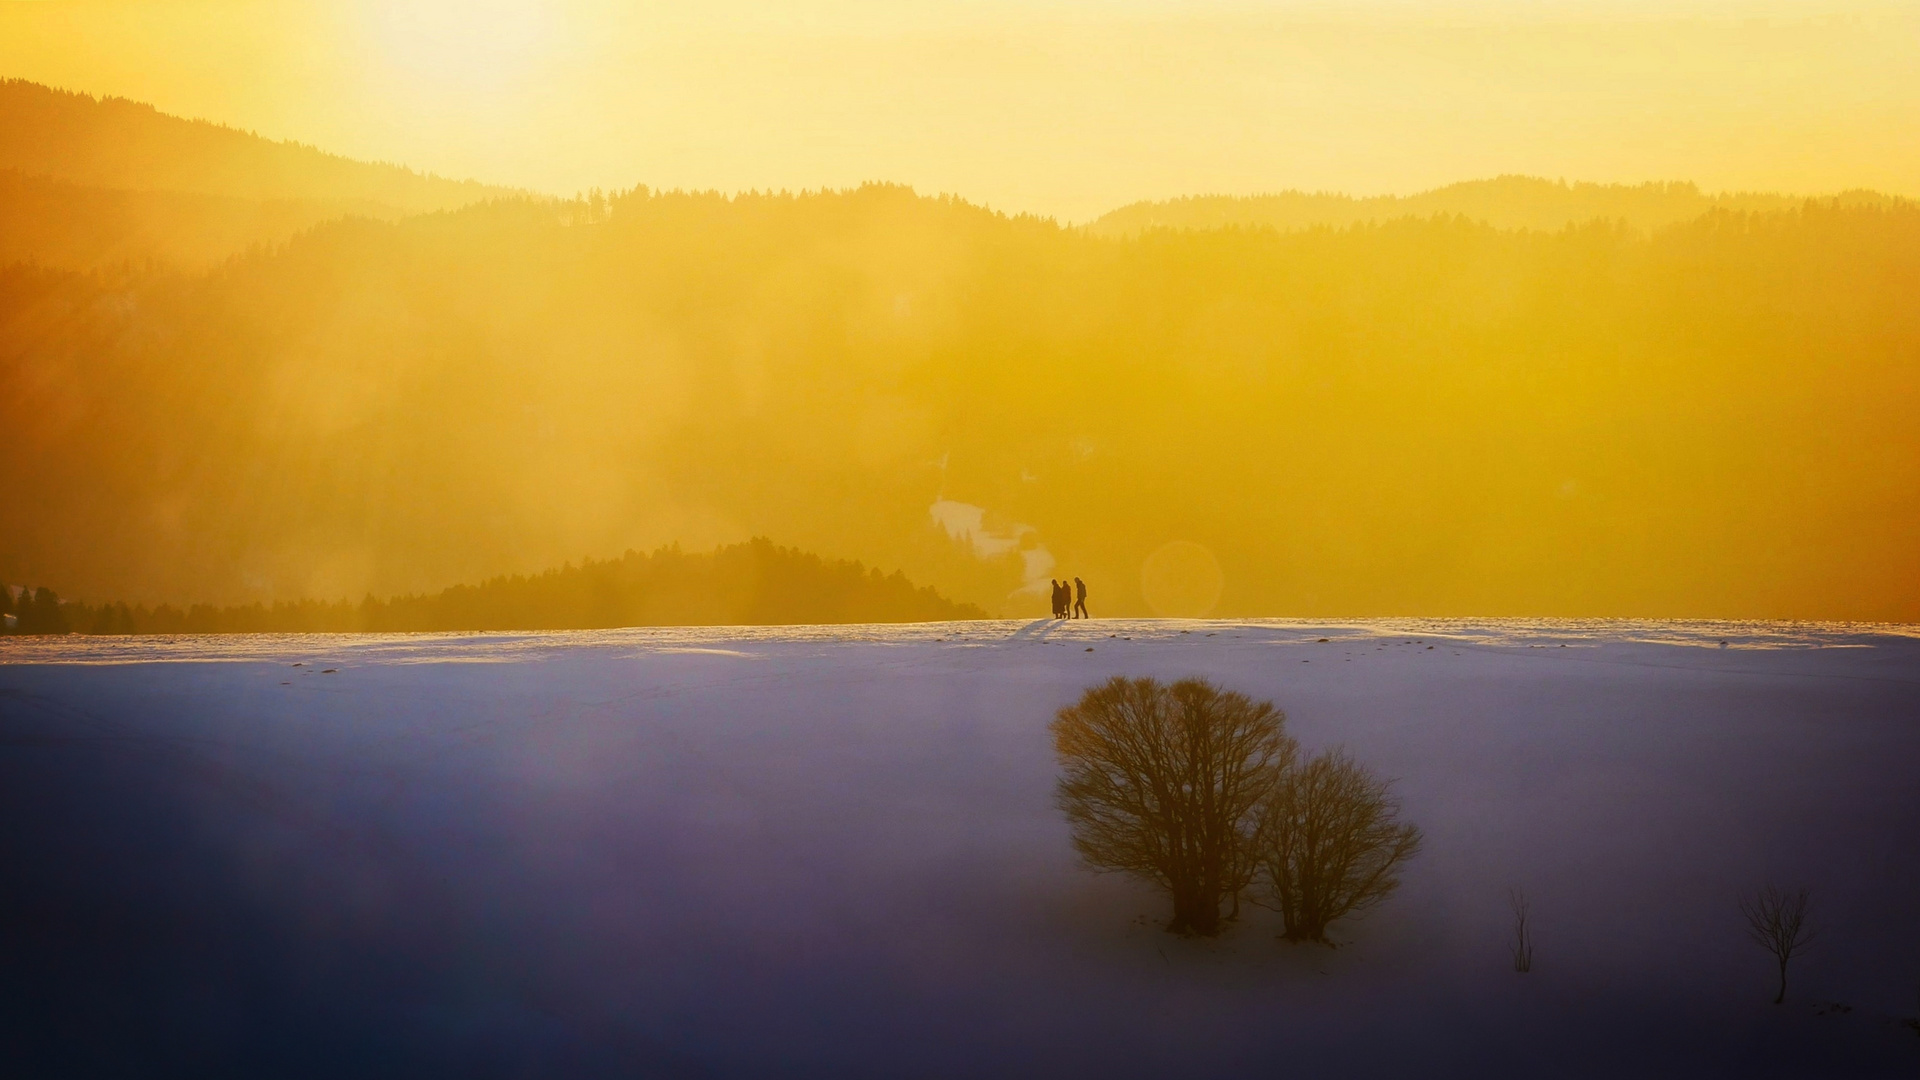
1331	844
1166	783
1777	922
1522	930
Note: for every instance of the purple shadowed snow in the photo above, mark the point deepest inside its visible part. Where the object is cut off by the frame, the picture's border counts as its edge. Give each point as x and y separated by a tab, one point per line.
833	851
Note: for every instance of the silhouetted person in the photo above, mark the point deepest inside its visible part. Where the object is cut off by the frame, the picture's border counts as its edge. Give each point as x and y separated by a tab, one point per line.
1080	601
1059	605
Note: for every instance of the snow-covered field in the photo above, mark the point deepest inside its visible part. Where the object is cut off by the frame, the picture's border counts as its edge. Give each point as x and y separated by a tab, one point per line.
832	851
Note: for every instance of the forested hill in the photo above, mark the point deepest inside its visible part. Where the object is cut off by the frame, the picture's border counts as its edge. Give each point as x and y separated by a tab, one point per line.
55	223
750	584
126	145
1505	202
1422	417
99	182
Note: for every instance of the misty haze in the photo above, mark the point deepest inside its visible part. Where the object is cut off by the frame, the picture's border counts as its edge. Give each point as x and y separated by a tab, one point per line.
959	539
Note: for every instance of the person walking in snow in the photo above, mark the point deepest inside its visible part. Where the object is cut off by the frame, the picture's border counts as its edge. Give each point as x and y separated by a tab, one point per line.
1080	603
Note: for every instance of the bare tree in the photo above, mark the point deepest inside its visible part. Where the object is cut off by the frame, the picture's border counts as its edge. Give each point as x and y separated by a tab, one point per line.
1166	782
1522	930
1777	922
1331	844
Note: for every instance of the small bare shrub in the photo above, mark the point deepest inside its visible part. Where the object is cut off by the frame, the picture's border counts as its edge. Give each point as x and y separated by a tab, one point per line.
1522	931
1777	922
1331	844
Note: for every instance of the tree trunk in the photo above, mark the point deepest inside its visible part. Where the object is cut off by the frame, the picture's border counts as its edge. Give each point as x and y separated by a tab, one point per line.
1297	933
1782	995
1205	919
1180	924
1195	912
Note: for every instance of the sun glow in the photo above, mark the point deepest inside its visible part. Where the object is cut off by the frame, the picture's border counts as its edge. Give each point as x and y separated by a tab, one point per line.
1060	107
396	382
461	50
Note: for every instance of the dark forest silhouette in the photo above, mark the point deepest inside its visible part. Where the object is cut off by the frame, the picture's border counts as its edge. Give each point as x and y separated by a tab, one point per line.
35	611
754	584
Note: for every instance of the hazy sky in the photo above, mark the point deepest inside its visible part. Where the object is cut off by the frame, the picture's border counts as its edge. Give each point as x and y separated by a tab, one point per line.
1061	107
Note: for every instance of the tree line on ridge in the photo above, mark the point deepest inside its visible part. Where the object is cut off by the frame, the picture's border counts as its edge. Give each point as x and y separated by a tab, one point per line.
752	583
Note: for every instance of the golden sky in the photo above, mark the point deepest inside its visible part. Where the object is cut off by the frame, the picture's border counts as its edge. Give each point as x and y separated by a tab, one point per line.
1061	107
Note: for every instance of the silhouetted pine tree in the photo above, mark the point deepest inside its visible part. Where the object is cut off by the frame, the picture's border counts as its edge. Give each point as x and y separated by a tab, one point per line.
42	615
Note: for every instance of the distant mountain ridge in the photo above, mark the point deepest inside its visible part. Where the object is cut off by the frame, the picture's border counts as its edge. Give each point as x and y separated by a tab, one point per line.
115	143
89	182
1504	202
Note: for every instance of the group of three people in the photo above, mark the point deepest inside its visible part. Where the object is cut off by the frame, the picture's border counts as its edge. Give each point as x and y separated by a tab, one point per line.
1070	601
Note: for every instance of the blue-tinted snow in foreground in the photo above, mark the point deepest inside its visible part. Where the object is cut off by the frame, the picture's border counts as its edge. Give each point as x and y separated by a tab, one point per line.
834	852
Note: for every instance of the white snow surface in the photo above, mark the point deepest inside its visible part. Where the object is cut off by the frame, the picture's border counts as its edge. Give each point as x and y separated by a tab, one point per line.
834	851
